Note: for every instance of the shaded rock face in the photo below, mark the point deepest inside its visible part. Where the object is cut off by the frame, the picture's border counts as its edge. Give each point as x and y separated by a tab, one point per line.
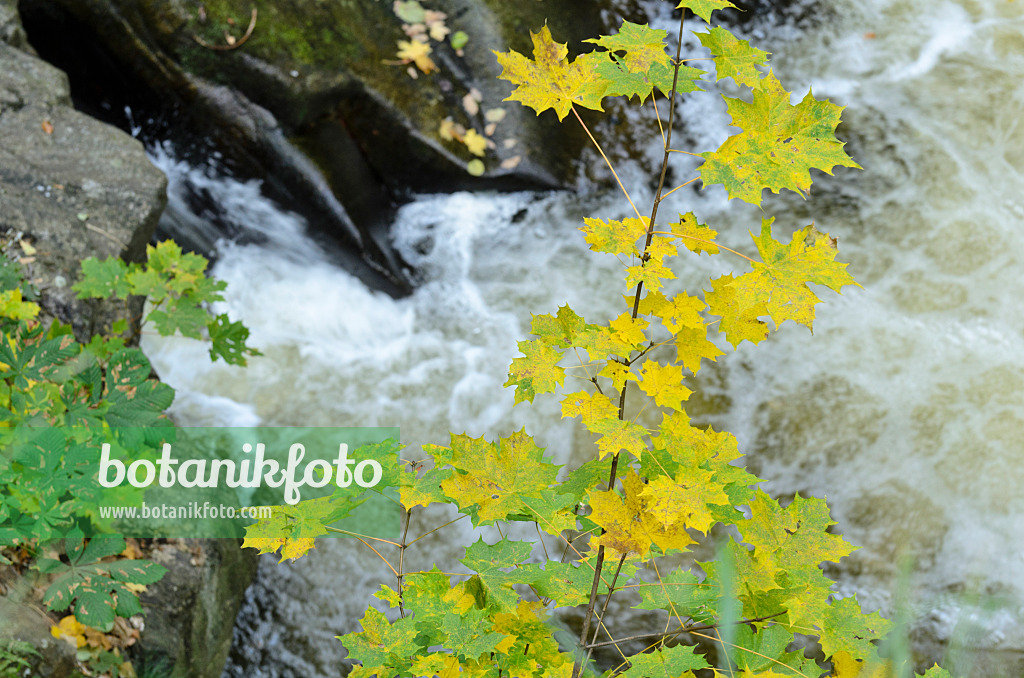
191	611
315	100
70	186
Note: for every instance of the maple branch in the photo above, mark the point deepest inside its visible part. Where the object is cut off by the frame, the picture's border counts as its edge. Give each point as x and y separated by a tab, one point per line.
607	161
401	560
604	608
378	553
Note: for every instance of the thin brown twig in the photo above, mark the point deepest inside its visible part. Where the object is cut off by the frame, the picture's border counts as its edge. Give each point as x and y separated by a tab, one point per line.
234	45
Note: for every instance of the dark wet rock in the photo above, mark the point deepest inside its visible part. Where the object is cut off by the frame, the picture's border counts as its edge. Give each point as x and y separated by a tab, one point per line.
70	186
314	102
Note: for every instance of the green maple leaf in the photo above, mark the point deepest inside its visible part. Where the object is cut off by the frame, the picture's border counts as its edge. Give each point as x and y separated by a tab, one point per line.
639	63
643	46
228	340
101	279
704	8
778	146
488	560
550	80
734	58
845	628
536	372
668	662
495	477
680	589
381	647
778	284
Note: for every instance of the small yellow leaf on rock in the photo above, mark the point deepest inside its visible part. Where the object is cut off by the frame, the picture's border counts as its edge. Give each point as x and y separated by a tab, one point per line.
476	143
476	168
418	53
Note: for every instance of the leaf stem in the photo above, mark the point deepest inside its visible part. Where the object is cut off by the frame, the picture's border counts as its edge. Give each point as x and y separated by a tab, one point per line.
607	161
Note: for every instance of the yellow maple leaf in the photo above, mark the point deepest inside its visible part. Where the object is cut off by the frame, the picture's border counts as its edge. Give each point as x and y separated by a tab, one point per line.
664	383
418	53
549	80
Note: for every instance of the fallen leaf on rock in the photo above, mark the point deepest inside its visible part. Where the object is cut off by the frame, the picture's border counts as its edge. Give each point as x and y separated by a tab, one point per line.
47	126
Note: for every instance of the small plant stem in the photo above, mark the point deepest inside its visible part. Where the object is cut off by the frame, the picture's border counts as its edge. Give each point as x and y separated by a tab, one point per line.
401	561
676	632
361	536
709	242
679	186
439	527
367	544
607	162
676	150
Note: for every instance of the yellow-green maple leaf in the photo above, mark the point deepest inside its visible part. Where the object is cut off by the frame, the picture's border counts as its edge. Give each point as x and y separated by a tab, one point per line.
676	313
550	80
778	146
693	345
704	8
617	435
12	306
650	274
739	321
685	498
642	45
496	476
618	372
778	284
614	237
628	333
696	237
664	383
734	58
590	407
536	372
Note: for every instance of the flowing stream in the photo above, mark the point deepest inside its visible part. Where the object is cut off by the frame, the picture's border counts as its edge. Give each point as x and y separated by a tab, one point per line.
905	409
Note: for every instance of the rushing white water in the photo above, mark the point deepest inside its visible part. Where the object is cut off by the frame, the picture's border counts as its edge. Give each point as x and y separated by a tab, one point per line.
905	409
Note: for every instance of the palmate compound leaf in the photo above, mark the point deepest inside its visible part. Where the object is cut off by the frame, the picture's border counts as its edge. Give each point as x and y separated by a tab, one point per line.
778	285
734	58
704	8
778	146
495	477
550	80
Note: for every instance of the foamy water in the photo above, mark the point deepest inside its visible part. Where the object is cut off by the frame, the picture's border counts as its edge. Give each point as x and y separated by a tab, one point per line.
905	409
